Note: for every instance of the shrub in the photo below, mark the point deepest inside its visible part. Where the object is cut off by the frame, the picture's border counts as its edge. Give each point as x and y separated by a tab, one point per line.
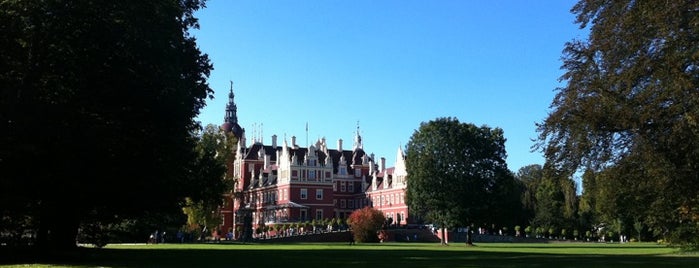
364	223
539	231
552	232
610	236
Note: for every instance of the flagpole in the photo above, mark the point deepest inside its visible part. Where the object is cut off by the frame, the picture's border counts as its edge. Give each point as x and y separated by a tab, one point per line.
306	134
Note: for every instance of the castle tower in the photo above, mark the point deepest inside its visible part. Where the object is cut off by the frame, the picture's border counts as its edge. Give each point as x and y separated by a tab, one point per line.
230	123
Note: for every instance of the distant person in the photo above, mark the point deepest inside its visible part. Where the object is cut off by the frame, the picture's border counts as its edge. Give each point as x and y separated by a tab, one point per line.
351	238
180	236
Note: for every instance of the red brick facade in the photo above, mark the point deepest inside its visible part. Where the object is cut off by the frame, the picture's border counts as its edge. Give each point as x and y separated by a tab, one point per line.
286	183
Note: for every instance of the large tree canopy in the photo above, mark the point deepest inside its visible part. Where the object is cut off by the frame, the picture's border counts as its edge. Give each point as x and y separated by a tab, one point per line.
631	104
458	173
97	111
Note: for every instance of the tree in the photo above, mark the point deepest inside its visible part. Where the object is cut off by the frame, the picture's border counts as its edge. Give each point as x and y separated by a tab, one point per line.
550	200
97	110
588	200
365	222
530	177
214	150
455	169
631	101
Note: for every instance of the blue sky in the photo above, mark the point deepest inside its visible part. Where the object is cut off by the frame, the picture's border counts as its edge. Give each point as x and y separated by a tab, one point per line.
388	65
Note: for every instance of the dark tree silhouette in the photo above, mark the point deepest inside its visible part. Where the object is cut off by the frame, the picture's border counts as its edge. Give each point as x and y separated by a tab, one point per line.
97	112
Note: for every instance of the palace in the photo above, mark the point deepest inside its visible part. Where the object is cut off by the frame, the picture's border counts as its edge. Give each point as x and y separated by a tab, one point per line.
285	183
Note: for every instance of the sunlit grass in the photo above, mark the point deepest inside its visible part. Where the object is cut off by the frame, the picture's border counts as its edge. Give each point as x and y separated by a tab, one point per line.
335	255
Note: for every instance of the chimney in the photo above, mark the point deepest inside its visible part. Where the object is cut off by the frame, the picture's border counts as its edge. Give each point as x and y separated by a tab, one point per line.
375	183
274	141
383	164
339	145
293	142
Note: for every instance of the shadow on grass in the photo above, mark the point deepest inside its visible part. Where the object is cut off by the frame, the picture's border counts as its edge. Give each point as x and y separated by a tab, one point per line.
339	256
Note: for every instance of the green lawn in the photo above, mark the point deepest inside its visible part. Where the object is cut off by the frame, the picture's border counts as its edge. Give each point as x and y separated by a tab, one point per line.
396	255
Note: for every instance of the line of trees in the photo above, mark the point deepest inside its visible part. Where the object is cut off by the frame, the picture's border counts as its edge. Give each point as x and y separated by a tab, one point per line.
627	120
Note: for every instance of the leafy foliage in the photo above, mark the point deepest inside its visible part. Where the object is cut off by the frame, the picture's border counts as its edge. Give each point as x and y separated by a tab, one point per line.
458	174
530	176
97	111
365	222
214	149
629	109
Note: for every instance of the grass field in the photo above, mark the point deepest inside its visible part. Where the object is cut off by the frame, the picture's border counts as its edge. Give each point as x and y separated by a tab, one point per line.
396	255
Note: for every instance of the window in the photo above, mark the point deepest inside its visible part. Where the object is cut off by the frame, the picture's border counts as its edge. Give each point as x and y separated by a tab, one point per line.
327	175
294	174
334	187
350	187
319	194
319	214
357	172
312	163
304	214
343	186
343	203
304	193
311	174
343	170
350	203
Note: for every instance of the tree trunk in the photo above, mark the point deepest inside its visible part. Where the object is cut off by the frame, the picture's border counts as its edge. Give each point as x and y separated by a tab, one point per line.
468	237
65	234
445	237
58	229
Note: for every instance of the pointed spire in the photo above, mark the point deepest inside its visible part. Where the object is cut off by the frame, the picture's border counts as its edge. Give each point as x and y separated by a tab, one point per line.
358	139
230	120
231	108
